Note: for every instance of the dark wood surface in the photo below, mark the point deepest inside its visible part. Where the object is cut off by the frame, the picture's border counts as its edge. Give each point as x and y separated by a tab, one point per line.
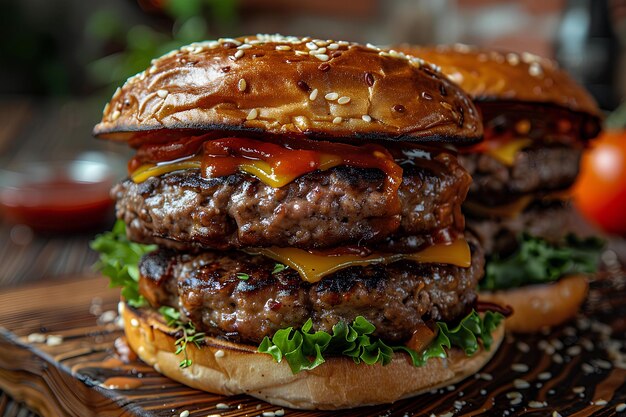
70	378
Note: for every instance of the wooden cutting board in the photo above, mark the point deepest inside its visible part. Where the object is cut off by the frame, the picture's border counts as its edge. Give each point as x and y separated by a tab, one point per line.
580	369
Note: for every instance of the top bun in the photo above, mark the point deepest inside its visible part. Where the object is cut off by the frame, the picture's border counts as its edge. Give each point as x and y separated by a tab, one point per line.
289	85
489	75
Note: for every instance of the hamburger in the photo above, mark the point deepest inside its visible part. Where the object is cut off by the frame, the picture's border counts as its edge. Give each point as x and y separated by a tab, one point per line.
291	227
537	121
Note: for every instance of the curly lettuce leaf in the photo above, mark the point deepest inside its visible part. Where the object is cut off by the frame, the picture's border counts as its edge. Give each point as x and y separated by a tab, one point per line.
119	260
304	349
537	261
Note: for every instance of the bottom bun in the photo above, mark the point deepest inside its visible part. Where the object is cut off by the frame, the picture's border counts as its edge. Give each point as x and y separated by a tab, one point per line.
228	368
541	305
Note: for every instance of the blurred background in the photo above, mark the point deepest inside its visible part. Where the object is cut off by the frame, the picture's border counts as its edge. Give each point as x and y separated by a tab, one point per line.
61	60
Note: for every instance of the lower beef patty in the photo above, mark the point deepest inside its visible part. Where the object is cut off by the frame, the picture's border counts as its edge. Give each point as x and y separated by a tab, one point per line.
338	207
395	298
539	169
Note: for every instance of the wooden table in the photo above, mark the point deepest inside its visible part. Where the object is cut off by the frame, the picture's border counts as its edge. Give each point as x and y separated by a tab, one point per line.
29	130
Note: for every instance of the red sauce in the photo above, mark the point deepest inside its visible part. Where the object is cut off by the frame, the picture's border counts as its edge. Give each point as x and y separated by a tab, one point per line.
58	204
223	156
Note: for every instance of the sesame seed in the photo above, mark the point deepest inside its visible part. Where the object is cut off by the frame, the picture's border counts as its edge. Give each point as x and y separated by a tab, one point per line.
162	93
557	358
573	350
366	118
515	401
222	406
544	376
252	115
512	59
588	369
115	115
313	95
283	47
241	85
36	338
214	415
184	413
311	46
535	69
279	413
301	53
244	46
601	363
333	46
620	407
321	43
519	367
322	57
331	96
343	100
337	120
486	377
238	54
268	414
523	347
513	394
537	404
483	392
219	353
601	402
134	322
521	384
556	414
578	390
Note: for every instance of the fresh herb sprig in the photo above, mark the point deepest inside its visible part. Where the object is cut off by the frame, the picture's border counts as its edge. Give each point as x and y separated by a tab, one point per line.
188	330
304	349
119	260
537	261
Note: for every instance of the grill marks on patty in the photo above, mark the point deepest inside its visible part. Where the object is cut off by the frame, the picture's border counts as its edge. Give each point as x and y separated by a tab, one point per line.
536	170
339	207
395	297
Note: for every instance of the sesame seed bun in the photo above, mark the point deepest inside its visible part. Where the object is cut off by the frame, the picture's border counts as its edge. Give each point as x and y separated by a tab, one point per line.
227	368
490	75
540	306
288	85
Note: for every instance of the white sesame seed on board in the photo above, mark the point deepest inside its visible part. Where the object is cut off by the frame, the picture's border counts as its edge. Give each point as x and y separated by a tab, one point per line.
588	369
184	413
573	350
242	84
521	384
515	401
523	347
222	406
268	414
537	404
322	57
337	120
254	113
36	338
578	390
238	54
486	377
519	367
544	376
279	413
162	93
621	407
366	118
331	96
343	100
513	394
556	414
313	95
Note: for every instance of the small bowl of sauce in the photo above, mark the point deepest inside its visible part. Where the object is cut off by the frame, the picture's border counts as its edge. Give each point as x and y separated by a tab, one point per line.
60	196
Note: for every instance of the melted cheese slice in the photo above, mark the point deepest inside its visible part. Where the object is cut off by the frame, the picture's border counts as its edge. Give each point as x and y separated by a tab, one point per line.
313	268
507	152
511	210
260	169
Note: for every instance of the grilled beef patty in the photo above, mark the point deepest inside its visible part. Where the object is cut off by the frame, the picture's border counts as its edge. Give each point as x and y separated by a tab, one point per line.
338	207
395	298
536	170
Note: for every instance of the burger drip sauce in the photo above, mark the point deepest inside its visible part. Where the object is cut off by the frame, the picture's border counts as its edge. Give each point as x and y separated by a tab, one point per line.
225	156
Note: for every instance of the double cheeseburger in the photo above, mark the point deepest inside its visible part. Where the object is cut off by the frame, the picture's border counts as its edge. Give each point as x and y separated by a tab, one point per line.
303	211
537	121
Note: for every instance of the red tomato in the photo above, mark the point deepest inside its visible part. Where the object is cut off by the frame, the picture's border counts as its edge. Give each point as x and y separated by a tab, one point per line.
600	192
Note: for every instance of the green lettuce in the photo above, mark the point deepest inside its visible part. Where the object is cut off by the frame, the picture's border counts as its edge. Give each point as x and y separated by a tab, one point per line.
119	260
304	349
537	261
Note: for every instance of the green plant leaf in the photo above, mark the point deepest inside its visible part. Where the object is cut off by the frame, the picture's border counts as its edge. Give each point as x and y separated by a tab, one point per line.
304	349
537	261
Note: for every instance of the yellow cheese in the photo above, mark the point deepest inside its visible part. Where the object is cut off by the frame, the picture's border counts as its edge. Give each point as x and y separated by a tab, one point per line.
260	169
511	210
506	153
313	268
